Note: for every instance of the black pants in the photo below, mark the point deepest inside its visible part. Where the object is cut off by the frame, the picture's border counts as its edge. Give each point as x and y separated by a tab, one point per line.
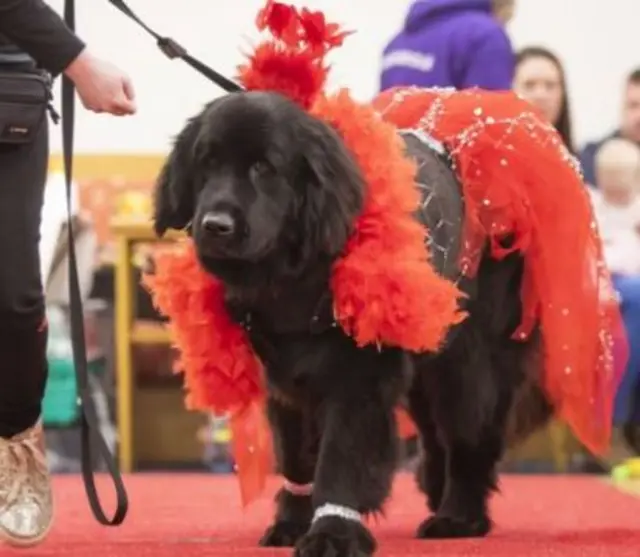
23	332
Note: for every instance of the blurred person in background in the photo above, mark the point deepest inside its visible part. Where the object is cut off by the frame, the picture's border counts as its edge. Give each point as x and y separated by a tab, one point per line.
452	43
540	78
33	38
616	204
629	127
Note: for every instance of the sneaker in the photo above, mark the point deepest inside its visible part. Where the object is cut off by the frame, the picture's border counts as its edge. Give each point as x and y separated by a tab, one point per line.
26	501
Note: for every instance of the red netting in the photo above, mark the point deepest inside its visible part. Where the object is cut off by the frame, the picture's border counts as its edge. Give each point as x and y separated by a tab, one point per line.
520	180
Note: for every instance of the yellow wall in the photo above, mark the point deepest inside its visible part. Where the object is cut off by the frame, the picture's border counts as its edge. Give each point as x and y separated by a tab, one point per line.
98	166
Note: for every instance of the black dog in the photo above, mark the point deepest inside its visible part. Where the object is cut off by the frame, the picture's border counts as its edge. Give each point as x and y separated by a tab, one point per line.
270	195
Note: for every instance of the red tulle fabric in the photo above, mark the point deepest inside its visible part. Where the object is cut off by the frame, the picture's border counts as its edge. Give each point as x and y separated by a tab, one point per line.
519	180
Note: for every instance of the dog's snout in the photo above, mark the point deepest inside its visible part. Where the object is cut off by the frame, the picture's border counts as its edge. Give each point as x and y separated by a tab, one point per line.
220	224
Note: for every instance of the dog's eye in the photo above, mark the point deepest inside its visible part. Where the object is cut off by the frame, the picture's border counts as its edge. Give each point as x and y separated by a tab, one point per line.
261	168
211	162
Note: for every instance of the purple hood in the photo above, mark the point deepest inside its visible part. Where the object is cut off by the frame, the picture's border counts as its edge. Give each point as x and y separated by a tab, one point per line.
450	43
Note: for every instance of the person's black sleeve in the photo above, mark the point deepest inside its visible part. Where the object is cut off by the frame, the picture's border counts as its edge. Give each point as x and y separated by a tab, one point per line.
38	30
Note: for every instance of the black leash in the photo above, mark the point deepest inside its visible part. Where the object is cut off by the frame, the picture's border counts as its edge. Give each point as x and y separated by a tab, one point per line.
89	424
172	49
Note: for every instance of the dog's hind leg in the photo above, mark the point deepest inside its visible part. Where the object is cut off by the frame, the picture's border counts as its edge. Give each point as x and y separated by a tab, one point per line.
471	399
431	471
358	452
470	478
296	444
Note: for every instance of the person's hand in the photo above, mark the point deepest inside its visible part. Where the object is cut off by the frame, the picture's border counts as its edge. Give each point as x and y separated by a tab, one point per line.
101	86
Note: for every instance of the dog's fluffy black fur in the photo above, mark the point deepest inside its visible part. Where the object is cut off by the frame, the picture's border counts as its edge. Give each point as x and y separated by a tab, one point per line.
270	195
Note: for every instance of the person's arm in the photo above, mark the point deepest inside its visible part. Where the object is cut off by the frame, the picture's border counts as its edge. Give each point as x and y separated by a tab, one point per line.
38	30
490	64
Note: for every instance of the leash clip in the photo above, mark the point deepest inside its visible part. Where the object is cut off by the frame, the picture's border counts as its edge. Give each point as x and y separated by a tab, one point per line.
170	48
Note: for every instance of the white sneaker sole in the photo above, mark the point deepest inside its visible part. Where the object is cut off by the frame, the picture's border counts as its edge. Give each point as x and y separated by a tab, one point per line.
19	542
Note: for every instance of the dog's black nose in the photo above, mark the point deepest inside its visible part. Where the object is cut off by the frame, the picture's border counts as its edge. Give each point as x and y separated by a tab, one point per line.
220	224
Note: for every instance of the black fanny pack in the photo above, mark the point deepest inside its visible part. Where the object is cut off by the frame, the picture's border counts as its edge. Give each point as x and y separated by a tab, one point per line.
25	98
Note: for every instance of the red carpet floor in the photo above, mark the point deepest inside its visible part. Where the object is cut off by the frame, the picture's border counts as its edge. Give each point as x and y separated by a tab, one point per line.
191	515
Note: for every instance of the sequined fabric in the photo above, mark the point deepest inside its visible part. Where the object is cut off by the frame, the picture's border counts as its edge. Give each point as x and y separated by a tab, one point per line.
26	504
441	208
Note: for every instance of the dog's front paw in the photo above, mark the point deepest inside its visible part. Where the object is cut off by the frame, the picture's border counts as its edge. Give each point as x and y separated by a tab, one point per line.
283	533
336	537
441	527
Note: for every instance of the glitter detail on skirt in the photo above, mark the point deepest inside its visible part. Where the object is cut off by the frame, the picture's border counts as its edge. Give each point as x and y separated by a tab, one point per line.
521	183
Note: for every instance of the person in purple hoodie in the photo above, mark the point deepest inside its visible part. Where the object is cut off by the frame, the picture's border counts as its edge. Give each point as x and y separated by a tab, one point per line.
452	43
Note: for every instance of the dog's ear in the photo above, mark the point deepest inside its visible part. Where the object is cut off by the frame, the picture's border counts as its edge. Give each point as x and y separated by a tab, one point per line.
175	187
335	188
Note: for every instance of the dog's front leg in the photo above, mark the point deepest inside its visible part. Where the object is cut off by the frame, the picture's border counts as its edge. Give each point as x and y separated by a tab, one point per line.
296	447
358	456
